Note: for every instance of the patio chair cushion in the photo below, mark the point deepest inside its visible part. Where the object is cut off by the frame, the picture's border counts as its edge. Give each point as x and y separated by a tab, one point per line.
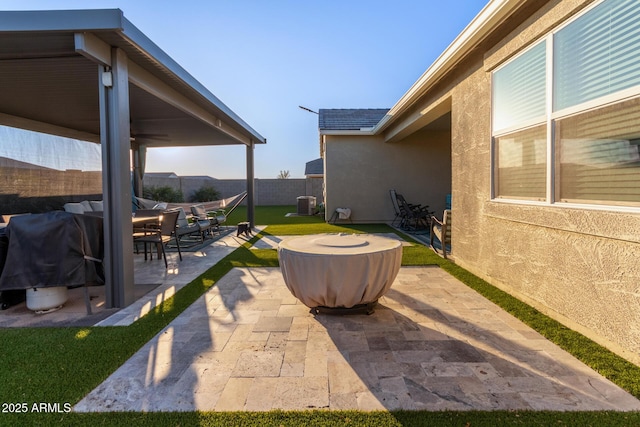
199	211
76	208
204	219
96	205
183	226
216	217
86	205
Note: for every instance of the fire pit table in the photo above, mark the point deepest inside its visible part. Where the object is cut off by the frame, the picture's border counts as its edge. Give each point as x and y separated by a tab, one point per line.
339	273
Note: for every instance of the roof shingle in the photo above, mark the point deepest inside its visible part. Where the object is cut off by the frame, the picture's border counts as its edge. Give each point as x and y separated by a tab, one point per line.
314	167
350	119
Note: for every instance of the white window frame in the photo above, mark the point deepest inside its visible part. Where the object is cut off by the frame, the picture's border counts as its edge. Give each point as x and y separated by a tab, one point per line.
550	119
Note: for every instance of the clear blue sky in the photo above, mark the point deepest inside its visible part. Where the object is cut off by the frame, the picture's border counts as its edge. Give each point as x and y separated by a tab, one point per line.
263	58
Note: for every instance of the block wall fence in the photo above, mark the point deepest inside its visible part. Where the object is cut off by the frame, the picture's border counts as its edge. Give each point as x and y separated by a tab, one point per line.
37	190
268	192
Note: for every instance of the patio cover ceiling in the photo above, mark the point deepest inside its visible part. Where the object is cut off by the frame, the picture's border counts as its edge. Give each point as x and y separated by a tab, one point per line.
92	75
49	82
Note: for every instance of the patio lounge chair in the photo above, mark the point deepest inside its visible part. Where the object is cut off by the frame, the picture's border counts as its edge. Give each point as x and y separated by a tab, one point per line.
186	228
441	230
211	219
205	224
200	211
161	236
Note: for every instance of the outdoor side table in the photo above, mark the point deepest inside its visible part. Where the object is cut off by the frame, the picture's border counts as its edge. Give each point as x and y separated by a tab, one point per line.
339	272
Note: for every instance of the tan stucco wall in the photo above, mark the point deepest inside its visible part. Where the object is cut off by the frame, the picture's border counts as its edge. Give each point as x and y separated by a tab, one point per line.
360	171
577	265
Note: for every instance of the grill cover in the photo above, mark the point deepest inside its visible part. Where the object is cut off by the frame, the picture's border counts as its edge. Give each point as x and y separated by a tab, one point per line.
53	249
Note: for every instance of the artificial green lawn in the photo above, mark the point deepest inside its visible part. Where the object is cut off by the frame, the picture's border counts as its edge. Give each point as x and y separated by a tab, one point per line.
62	365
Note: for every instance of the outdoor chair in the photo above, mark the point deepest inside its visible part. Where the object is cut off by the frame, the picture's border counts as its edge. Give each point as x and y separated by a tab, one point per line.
140	227
186	228
441	230
162	235
413	219
413	207
411	216
397	219
343	214
209	218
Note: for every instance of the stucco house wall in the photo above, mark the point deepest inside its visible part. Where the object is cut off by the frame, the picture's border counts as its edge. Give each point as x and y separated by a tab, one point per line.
580	265
364	168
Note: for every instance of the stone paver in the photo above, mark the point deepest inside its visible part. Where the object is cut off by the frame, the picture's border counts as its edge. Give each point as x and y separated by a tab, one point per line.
431	344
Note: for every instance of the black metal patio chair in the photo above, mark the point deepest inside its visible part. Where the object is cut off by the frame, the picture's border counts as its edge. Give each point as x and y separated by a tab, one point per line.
162	235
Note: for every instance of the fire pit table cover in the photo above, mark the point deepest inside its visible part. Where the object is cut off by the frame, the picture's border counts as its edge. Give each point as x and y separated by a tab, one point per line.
339	270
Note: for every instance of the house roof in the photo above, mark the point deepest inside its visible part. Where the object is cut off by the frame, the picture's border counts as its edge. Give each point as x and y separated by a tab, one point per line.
314	167
207	177
349	118
161	174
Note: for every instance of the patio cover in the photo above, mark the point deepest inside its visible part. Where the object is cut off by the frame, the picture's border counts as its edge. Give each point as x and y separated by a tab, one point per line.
92	75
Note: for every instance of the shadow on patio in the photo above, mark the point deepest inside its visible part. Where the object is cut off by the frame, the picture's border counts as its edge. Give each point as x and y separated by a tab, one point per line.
433	344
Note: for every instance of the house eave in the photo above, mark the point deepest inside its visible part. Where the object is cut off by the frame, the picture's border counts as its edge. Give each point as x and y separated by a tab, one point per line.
490	17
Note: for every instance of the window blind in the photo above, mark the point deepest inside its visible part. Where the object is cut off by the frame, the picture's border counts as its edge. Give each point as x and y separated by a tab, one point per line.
519	89
598	155
597	54
521	160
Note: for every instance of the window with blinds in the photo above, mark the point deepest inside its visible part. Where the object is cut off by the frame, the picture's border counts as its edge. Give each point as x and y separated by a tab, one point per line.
519	89
598	156
598	54
520	164
595	117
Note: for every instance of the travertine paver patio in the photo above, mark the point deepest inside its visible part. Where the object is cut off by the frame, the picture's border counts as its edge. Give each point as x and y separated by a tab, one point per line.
433	344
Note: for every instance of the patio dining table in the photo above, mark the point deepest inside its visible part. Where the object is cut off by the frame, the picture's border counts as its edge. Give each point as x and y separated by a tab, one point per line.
339	271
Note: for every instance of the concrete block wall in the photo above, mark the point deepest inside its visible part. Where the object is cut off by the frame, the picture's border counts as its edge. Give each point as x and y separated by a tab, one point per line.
268	192
38	190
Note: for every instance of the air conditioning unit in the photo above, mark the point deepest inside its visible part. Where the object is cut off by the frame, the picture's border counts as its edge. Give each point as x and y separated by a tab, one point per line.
306	205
